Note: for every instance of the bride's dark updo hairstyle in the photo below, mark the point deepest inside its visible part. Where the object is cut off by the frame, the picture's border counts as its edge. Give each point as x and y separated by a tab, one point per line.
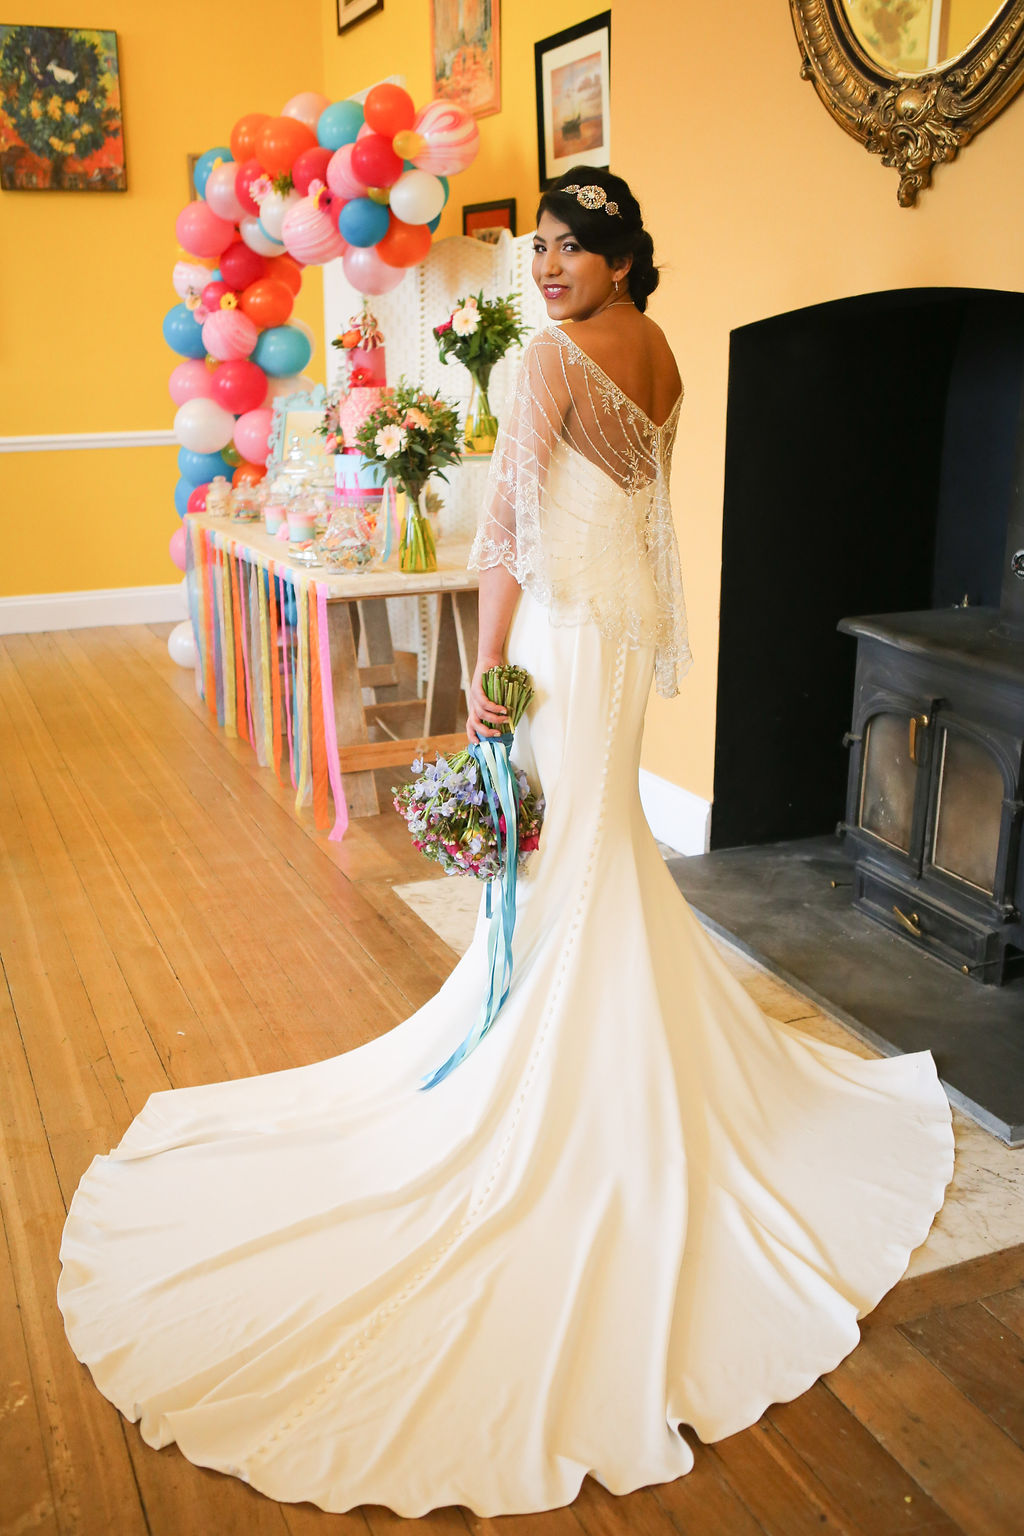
611	235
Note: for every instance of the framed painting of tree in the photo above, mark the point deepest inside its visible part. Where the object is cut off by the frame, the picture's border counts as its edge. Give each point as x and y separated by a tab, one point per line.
60	111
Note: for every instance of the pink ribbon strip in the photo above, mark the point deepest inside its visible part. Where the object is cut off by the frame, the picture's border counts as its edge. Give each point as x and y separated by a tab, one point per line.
286	658
330	725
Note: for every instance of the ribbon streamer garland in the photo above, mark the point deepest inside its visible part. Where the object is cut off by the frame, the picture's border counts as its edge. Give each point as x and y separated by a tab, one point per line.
502	793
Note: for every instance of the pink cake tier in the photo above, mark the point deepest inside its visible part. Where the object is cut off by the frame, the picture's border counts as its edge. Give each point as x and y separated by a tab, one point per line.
353	410
367	367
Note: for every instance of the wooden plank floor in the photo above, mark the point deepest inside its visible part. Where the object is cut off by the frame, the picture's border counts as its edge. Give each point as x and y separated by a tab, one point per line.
167	919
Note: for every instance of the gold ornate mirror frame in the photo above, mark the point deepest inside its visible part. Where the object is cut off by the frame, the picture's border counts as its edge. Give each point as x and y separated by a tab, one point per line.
914	122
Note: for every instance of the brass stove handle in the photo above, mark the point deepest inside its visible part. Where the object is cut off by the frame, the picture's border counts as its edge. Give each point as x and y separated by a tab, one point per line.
917	723
912	923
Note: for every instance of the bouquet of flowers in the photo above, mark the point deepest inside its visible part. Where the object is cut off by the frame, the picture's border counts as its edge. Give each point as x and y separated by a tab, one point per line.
411	435
477	334
448	811
474	814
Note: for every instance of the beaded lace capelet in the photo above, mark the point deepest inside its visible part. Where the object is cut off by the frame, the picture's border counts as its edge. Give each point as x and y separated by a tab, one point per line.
577	505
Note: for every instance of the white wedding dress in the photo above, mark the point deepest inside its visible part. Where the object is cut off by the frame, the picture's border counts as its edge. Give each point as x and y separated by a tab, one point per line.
639	1202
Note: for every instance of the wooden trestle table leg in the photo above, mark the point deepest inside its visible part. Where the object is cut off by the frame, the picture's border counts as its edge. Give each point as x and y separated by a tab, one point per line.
453	655
359	786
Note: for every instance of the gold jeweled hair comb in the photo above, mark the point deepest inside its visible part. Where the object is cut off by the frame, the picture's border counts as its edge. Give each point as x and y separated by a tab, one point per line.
593	198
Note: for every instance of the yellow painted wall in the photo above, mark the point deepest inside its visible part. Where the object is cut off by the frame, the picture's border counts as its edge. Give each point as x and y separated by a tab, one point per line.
760	204
86	281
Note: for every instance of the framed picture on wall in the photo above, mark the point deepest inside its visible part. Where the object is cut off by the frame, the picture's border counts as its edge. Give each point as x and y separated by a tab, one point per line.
485	221
466	49
573	71
60	111
351	11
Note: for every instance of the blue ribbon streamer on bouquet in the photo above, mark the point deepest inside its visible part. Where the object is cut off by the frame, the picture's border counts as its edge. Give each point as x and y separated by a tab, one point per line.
502	792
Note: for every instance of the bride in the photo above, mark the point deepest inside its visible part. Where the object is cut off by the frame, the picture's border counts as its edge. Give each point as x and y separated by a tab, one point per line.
639	1210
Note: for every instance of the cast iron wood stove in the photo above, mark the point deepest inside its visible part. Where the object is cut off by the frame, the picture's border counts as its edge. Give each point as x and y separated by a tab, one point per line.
935	796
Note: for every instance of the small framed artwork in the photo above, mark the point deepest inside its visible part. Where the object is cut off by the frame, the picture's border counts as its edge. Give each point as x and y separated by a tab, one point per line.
573	70
351	11
466	49
487	221
60	111
298	416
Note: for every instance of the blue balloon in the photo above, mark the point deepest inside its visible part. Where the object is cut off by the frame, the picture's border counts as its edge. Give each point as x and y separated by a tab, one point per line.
282	350
444	182
197	468
182	491
183	333
363	222
339	124
433	223
205	164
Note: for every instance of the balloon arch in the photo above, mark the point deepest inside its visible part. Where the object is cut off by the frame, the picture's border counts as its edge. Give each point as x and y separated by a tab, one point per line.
366	182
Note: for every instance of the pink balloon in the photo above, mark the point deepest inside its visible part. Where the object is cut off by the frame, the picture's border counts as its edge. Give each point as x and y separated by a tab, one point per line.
311	165
220	192
228	334
197	500
191	380
452	136
177	548
341	178
367	273
201	232
311	233
238	386
252	435
306	108
364	132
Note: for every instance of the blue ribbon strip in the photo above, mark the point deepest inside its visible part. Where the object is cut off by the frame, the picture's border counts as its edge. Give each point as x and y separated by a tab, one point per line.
499	786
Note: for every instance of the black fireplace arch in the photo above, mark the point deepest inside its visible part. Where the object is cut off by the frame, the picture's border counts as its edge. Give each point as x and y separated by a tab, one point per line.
869	461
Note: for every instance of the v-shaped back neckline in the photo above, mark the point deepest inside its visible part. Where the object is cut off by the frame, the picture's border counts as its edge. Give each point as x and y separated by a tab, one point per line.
626	399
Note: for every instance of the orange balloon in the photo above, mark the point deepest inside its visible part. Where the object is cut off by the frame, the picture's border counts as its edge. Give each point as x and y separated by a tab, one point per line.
267	302
248	474
284	270
279	141
245	133
404	244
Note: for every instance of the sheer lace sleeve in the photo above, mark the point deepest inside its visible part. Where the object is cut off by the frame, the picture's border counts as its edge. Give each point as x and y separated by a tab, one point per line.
577	505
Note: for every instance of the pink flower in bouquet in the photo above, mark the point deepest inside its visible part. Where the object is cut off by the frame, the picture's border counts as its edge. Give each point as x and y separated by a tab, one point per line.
445	325
415	418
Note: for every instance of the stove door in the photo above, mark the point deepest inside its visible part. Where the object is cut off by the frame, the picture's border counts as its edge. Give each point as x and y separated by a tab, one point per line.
973	810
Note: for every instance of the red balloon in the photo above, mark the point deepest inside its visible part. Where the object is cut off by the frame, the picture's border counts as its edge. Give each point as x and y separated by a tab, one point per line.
281	141
311	165
244	177
404	244
213	293
197	500
240	266
389	109
375	162
286	270
248	474
239	386
245	132
267	302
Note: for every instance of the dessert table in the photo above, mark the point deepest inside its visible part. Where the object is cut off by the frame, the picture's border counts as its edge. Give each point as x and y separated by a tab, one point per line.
279	660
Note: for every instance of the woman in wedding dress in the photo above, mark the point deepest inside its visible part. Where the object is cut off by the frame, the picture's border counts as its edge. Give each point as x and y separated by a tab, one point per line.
639	1209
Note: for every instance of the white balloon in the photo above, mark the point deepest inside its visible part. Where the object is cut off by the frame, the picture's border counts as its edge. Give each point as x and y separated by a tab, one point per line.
203	426
181	645
257	239
273	209
190	279
221	194
294	384
416	197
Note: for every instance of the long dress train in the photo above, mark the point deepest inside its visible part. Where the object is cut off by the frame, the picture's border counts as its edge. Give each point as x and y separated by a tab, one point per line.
639	1203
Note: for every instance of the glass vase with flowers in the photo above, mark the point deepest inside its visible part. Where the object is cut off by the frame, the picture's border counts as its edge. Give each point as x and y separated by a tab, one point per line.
412	435
477	334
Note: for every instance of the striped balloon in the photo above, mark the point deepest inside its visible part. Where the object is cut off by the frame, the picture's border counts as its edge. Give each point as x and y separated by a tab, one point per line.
311	234
452	136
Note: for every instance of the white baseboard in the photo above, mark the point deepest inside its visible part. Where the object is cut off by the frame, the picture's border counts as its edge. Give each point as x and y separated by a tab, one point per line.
74	442
676	816
87	610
